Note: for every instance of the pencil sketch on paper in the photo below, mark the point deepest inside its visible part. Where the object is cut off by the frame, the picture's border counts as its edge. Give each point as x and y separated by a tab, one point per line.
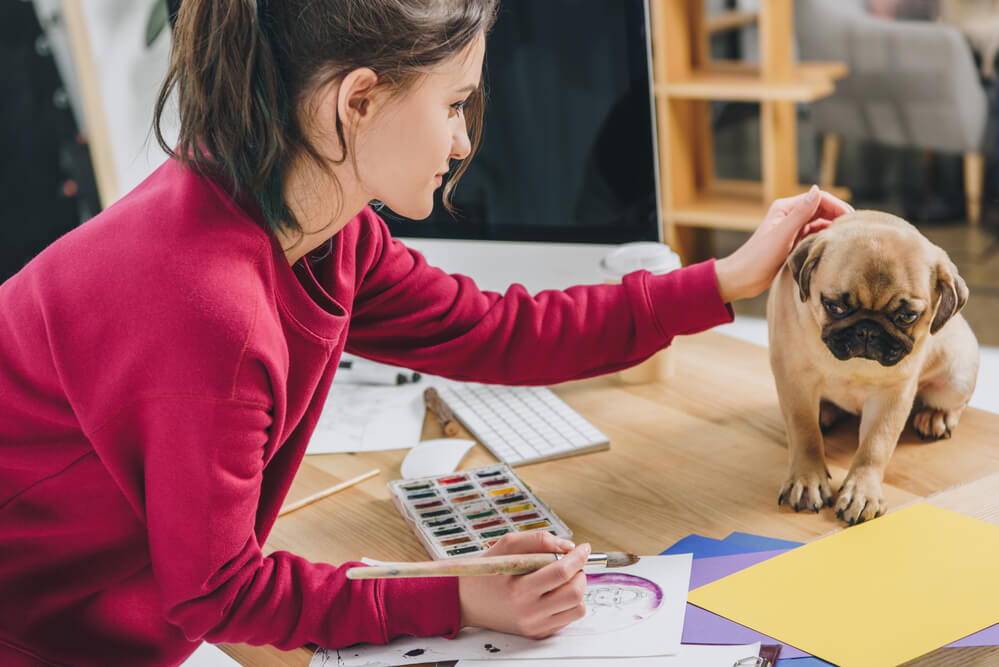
615	601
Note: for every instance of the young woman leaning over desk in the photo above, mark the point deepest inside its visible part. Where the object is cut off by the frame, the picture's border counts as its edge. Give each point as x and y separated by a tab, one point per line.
163	366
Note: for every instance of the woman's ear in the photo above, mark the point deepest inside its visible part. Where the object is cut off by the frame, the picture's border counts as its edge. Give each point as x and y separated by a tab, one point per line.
332	116
355	96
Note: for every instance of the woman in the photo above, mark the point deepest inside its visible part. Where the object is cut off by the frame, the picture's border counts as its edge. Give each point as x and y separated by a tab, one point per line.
163	365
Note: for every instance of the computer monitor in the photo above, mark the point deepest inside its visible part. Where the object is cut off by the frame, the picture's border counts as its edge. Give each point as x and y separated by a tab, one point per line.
568	155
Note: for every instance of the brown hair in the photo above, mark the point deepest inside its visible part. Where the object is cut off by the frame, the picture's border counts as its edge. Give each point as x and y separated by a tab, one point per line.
244	69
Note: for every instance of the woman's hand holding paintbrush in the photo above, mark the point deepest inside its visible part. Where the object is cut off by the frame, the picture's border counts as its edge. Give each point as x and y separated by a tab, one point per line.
536	604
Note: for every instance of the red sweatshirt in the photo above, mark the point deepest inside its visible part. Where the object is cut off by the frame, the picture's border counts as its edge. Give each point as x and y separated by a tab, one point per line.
162	368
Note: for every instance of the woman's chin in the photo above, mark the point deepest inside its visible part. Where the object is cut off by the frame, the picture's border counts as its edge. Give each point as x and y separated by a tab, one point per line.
415	212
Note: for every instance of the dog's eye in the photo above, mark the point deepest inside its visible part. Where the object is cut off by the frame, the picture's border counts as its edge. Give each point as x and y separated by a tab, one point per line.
906	318
833	308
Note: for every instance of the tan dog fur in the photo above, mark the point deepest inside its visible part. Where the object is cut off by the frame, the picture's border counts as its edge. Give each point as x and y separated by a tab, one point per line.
850	288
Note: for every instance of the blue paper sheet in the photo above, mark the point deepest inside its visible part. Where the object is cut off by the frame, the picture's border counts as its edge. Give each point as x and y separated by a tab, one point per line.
705	547
760	543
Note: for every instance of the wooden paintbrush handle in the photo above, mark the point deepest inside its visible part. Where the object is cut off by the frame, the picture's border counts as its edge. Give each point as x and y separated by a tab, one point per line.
459	567
444	415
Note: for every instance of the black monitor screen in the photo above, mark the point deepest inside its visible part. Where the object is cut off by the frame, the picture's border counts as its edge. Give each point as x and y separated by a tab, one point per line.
567	150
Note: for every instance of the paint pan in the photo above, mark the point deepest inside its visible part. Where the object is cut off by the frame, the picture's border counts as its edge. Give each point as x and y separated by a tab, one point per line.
464	513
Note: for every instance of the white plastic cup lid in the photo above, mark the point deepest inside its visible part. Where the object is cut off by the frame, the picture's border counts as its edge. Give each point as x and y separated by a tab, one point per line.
657	258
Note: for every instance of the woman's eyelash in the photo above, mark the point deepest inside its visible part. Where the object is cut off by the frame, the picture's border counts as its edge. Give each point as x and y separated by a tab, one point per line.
460	106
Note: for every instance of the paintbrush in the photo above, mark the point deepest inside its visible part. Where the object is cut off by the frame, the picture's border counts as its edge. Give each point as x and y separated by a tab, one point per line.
326	492
467	567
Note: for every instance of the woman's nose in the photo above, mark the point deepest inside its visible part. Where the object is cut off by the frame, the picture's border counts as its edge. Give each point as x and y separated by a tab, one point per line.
461	146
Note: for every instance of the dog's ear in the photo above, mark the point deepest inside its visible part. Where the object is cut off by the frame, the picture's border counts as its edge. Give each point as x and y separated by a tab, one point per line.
803	260
952	293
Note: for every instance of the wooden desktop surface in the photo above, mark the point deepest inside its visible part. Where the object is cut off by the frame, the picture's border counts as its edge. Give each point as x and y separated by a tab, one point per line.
703	452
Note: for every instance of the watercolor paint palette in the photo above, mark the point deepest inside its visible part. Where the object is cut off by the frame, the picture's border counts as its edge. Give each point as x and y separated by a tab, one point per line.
465	512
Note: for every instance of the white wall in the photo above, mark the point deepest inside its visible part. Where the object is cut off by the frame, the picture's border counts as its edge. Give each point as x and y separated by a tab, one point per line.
127	75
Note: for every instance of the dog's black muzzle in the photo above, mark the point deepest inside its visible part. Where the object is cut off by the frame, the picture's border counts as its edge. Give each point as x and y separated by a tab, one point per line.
868	340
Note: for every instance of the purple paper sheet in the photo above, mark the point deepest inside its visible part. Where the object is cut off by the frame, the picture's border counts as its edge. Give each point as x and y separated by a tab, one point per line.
987	637
703	627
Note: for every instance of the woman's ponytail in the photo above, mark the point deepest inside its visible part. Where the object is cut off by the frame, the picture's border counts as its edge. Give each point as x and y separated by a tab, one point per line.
242	69
231	100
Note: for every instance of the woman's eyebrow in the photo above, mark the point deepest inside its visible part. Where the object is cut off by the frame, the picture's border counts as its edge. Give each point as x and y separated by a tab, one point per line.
466	88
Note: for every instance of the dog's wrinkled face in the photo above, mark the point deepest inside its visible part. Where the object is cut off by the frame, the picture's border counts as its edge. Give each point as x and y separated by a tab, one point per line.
876	286
884	335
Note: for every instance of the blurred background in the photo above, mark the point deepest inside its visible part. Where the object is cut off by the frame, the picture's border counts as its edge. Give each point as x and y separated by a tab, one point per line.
909	128
913	123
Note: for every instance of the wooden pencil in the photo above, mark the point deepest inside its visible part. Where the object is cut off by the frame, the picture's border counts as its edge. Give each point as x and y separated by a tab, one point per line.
326	492
484	565
444	415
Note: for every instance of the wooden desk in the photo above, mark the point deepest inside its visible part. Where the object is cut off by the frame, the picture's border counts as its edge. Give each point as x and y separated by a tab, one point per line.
703	453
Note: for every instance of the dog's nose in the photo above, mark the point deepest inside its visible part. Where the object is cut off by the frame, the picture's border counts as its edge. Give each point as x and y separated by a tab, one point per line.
866	331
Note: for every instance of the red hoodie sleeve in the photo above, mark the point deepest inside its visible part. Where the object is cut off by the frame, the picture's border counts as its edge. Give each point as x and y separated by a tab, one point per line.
198	474
409	313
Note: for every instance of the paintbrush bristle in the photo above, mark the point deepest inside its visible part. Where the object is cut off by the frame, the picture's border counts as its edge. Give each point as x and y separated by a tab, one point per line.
620	559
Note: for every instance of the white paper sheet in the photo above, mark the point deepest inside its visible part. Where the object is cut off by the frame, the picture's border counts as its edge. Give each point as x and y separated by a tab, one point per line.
690	655
631	611
362	417
368	418
432	458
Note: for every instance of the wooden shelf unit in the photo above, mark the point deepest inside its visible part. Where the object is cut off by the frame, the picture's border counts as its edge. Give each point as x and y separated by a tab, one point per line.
713	85
731	205
687	80
729	20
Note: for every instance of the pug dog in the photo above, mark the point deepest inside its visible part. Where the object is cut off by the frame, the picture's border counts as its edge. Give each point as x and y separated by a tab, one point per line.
864	319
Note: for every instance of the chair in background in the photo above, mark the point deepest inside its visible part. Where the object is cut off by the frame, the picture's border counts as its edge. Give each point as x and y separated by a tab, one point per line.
911	84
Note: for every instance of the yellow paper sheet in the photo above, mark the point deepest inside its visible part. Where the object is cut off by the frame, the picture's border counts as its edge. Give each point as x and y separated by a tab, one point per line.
876	594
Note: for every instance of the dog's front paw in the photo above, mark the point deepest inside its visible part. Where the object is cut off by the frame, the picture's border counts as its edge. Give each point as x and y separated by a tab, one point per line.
934	424
860	497
806	487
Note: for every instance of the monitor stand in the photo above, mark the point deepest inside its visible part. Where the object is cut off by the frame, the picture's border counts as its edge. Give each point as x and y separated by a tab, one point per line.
495	265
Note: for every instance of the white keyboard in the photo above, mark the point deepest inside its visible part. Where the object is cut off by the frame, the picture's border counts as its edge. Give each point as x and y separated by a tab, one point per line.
522	425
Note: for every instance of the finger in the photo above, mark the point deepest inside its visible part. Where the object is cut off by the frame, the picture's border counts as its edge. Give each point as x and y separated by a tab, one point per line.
566	596
530	543
552	576
802	212
811	228
831	207
564	618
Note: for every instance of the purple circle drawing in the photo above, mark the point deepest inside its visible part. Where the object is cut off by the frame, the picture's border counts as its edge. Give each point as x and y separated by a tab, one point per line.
615	601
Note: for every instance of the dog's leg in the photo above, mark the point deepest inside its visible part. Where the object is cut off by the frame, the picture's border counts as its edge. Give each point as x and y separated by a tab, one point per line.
933	423
807	482
948	381
829	415
881	423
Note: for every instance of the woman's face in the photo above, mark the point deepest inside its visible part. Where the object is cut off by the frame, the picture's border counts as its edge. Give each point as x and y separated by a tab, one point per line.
404	153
